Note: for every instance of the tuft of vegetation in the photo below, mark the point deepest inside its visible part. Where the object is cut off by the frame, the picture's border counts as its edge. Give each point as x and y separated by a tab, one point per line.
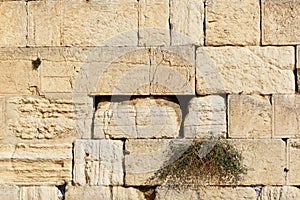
203	162
36	63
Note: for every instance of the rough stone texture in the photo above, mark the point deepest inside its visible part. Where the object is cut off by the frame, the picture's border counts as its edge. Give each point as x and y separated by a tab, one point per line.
36	164
13	29
39	192
137	118
9	192
293	160
87	192
279	193
216	193
102	24
206	117
98	162
186	19
247	70
2	117
279	22
232	22
154	23
286	116
250	116
121	193
44	19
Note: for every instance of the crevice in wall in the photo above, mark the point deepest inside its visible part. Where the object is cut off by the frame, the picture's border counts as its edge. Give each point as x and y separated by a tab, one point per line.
125	152
260	22
94	116
296	70
62	191
183	103
149	192
27	25
227	115
138	22
204	25
170	24
286	169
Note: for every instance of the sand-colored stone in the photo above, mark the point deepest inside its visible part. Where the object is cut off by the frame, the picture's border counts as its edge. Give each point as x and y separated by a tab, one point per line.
286	115
154	23
39	192
280	21
293	162
9	192
250	116
87	192
121	193
186	19
248	70
13	29
279	193
2	117
36	164
232	22
206	117
137	118
98	162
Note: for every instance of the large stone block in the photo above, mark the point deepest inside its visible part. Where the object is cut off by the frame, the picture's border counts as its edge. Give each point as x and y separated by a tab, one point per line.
87	192
36	164
248	70
250	116
206	117
286	115
121	193
293	162
232	22
9	192
279	193
98	162
186	19
13	30
280	21
137	118
39	192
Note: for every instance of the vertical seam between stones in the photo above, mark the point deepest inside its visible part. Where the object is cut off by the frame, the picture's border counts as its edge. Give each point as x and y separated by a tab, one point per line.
227	114
260	22
138	22
170	25
296	70
27	23
273	117
204	24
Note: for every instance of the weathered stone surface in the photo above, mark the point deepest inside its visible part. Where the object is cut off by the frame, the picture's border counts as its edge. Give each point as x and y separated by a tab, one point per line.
206	117
232	22
87	192
137	118
98	162
279	193
186	19
9	192
39	192
13	22
286	115
102	21
35	164
121	193
279	22
216	193
154	23
250	116
248	70
293	162
44	19
2	117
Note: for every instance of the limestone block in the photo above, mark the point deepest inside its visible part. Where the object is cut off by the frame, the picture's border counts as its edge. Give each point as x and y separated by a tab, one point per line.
39	192
2	117
121	193
98	162
99	23
137	118
232	22
247	70
154	23
206	117
286	115
186	19
13	22
87	192
293	162
279	22
164	193
250	116
36	164
279	193
44	19
9	192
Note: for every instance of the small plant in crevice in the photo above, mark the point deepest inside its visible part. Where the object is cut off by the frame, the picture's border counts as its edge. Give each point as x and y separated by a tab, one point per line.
36	63
203	162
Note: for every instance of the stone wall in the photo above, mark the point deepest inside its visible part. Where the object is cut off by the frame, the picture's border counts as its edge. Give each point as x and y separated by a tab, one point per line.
93	92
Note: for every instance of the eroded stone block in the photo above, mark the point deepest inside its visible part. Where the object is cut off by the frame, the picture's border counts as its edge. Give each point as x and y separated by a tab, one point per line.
9	192
279	193
39	192
121	193
293	162
87	192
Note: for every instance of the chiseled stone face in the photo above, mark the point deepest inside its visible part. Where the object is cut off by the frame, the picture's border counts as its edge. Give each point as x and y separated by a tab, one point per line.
87	192
248	70
279	193
40	192
232	22
122	193
280	19
293	159
9	192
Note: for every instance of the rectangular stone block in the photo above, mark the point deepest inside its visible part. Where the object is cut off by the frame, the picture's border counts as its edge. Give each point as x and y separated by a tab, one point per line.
232	22
286	115
279	193
9	192
87	192
206	117
293	162
250	116
122	193
280	21
186	19
36	164
137	118
13	30
98	162
154	23
104	23
44	23
40	192
247	70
